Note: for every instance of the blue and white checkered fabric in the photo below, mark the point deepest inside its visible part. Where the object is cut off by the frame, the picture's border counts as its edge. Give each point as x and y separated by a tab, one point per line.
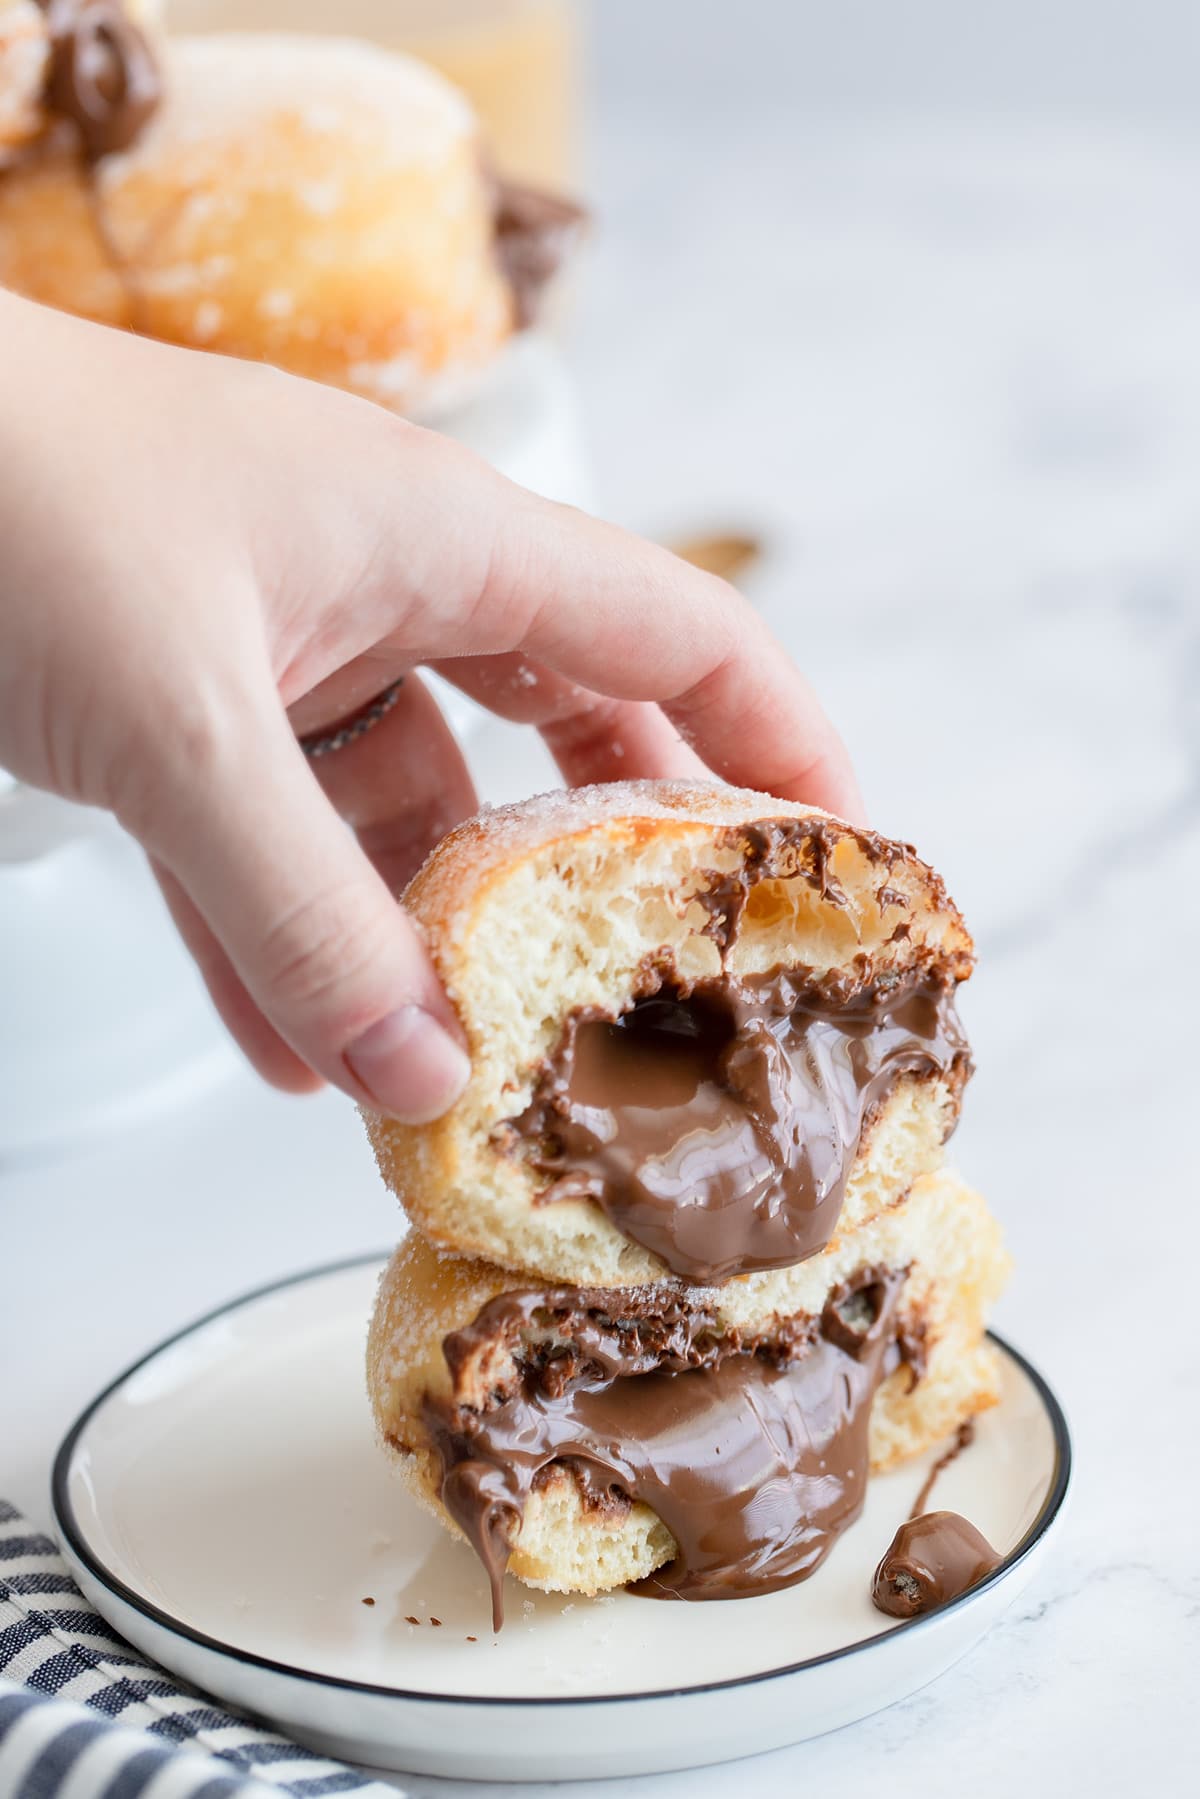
84	1716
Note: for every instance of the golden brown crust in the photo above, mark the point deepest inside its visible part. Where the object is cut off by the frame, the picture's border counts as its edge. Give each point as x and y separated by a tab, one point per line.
482	849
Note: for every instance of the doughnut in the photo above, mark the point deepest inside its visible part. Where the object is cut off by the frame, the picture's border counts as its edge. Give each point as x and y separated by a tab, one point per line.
691	1441
318	204
708	1029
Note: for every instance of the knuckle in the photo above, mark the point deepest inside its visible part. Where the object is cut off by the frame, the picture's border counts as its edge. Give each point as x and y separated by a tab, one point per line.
319	958
185	740
716	689
199	729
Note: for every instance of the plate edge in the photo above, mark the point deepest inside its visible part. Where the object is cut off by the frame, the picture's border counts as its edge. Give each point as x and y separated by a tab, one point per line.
71	1534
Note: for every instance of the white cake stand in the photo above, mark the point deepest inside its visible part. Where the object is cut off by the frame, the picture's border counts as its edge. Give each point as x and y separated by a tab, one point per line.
103	1016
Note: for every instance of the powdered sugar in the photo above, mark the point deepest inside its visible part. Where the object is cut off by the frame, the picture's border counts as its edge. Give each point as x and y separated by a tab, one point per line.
277	303
321	198
206	321
567	810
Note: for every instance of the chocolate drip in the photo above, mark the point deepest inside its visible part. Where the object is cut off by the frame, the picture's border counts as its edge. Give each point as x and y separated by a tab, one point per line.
534	233
717	1123
755	1462
102	74
963	1439
931	1560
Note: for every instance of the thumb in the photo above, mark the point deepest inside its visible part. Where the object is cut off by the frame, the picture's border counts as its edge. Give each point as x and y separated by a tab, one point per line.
324	951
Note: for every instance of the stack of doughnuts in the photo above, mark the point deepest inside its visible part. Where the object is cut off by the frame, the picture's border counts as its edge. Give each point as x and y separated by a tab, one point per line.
687	1262
318	204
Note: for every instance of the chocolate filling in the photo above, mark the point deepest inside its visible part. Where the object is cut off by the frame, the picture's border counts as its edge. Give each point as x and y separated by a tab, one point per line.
786	849
963	1439
535	231
931	1560
102	74
716	1123
753	1454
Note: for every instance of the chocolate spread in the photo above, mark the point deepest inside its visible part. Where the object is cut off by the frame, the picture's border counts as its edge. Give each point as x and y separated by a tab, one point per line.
931	1560
716	1124
102	74
534	233
755	1458
774	849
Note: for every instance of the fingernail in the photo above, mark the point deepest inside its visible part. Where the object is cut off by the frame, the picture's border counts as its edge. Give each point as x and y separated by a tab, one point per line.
412	1068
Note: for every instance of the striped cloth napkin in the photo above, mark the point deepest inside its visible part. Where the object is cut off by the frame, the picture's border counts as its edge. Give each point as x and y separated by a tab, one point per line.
84	1716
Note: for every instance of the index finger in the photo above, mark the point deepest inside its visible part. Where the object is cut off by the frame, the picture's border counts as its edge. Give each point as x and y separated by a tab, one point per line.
462	562
627	618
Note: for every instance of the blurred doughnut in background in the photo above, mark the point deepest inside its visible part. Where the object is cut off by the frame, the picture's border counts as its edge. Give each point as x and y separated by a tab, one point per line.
318	203
517	61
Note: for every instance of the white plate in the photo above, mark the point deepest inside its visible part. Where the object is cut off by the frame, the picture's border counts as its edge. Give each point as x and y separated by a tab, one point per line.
224	1505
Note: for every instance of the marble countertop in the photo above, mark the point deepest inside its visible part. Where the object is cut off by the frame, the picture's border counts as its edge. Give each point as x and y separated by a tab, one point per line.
951	375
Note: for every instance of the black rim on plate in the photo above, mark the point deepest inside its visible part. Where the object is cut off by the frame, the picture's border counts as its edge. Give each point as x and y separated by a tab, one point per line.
74	1538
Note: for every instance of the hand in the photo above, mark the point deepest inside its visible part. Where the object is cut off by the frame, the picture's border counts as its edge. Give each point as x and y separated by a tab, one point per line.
203	557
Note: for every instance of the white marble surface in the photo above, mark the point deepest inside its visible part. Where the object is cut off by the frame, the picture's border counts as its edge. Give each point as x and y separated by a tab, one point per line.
953	375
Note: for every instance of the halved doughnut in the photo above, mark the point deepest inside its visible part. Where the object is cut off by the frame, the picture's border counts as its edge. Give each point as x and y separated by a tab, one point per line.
704	1026
556	1427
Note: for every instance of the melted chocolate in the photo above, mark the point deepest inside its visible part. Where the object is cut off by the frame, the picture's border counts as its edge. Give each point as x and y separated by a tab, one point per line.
102	74
931	1560
786	849
534	233
716	1124
963	1439
755	1462
775	849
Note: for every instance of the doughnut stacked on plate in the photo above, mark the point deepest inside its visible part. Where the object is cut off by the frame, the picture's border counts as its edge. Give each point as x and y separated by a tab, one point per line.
686	1259
318	204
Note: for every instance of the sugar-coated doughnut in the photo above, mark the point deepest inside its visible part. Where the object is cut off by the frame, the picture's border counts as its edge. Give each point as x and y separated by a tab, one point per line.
641	902
321	205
